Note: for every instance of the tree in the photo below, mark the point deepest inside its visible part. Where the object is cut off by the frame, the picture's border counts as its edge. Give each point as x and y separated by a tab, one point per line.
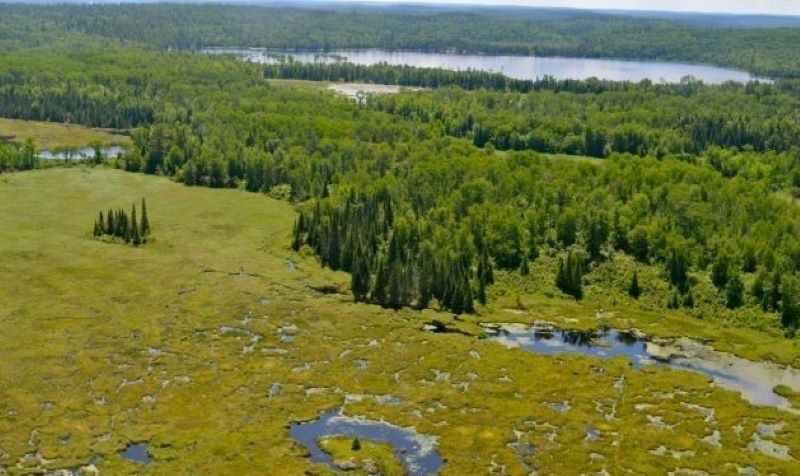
134	233
570	275
719	271
678	267
634	290
145	228
639	246
790	303
733	292
356	445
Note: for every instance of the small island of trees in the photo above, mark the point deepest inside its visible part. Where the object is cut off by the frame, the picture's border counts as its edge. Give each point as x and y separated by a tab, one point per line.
118	224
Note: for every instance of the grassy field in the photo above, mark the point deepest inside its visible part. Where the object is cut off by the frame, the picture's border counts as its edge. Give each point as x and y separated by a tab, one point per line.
51	135
178	343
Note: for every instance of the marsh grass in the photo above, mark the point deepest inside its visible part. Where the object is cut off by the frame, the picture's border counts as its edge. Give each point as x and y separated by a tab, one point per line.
51	135
106	345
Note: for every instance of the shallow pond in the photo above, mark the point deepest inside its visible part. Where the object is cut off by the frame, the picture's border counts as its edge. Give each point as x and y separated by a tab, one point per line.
81	154
416	452
519	67
754	380
136	452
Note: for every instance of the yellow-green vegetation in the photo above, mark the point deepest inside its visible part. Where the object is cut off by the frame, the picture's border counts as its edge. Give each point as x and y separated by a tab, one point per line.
382	454
786	392
179	343
51	135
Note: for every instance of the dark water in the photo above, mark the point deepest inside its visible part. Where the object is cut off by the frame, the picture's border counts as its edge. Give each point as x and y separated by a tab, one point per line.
519	67
754	380
416	452
80	154
603	344
136	452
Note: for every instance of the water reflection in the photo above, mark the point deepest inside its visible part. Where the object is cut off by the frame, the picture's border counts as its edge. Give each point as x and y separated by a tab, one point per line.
518	67
754	380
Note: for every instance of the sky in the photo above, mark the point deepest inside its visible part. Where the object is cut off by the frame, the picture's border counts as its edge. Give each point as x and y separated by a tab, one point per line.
770	7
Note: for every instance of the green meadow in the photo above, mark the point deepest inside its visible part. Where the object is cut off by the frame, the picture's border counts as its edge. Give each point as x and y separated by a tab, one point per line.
178	342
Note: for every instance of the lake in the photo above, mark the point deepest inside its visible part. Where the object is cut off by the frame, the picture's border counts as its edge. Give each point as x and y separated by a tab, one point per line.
518	67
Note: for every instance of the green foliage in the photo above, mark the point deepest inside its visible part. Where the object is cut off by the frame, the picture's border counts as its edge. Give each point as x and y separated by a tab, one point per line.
734	292
767	51
634	290
569	277
14	157
790	303
118	224
356	444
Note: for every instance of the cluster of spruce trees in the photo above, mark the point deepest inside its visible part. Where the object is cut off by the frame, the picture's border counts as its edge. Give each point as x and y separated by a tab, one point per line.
118	224
390	261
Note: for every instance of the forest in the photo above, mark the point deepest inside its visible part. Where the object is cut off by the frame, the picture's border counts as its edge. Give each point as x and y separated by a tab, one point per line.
426	196
763	51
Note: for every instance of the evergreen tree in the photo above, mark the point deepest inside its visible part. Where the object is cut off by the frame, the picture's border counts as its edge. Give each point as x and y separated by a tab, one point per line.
110	223
790	304
360	280
356	445
145	228
733	292
634	290
134	235
101	227
570	276
719	271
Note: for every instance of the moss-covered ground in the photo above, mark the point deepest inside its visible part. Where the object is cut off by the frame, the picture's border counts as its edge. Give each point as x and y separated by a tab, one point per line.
179	343
382	454
52	135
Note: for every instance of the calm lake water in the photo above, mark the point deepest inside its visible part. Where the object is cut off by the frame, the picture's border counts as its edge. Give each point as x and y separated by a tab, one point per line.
754	380
519	67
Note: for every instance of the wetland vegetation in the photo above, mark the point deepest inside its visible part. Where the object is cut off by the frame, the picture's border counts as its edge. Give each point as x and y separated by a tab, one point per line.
325	270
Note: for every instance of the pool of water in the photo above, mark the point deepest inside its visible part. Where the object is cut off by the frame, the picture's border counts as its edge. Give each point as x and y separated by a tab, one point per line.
754	380
136	452
416	452
81	154
518	67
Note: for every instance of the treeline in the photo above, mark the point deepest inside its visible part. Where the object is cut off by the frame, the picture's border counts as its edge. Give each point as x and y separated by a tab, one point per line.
96	107
431	77
14	157
768	51
420	215
391	263
642	119
119	224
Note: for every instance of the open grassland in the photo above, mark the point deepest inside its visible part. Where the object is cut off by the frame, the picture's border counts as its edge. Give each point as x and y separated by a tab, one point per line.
51	135
178	343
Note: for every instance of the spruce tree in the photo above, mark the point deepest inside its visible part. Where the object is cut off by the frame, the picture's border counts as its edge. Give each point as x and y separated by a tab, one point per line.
356	445
360	280
733	292
145	228
110	223
634	290
101	227
790	304
135	238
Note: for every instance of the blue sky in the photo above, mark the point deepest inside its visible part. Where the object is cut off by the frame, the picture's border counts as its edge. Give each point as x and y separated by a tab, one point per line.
772	7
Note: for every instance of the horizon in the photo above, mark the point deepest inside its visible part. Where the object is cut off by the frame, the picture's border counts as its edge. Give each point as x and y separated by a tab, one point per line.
720	7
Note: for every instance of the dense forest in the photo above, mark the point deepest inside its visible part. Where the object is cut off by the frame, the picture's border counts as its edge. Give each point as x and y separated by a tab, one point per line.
764	51
440	197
